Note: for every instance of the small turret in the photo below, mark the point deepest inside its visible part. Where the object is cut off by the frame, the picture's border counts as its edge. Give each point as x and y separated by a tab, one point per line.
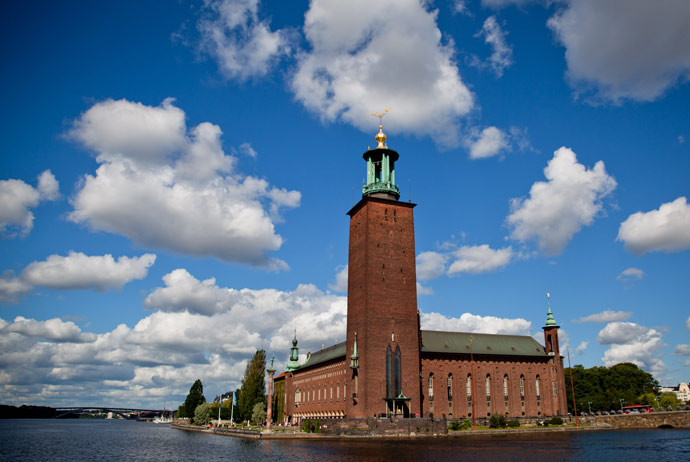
551	331
293	363
380	180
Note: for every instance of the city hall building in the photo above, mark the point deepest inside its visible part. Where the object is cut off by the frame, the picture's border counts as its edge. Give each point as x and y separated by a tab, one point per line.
389	366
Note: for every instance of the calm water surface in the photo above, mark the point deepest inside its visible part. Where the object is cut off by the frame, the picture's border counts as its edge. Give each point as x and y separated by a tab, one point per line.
87	440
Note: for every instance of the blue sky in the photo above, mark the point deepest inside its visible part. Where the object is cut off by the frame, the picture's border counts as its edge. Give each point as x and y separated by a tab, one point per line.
175	178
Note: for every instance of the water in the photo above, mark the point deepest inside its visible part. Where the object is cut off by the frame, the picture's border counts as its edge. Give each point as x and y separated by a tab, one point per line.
88	440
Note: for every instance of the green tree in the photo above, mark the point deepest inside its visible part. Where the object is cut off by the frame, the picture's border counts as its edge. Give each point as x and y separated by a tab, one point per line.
669	399
202	413
181	411
259	413
604	387
278	400
253	389
194	398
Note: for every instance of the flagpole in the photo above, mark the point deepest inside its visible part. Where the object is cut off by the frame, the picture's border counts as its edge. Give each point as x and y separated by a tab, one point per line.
572	387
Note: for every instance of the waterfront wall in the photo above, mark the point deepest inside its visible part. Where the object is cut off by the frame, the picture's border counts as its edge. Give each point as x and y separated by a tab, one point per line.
384	427
675	419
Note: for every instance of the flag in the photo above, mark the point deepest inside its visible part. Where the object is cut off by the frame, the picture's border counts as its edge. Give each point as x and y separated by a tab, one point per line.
234	399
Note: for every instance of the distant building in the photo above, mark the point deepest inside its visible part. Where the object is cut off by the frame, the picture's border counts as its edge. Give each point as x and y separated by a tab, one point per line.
682	391
388	366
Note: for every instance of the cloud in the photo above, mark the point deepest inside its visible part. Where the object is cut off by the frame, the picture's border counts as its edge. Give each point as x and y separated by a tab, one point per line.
359	62
243	44
17	197
247	150
682	349
468	322
687	323
340	280
630	274
630	342
503	3
460	6
620	332
421	290
560	207
606	316
12	287
164	186
501	52
665	229
430	265
479	259
53	329
209	333
490	142
581	348
80	271
624	49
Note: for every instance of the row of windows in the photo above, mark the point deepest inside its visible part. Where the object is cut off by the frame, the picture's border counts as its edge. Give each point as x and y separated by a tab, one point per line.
313	394
487	386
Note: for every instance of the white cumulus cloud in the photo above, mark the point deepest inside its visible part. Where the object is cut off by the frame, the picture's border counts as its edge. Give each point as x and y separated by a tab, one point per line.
606	316
17	197
175	189
12	287
581	347
479	259
340	284
630	342
430	265
468	322
625	49
490	142
359	63
80	271
240	41
52	329
665	229
560	207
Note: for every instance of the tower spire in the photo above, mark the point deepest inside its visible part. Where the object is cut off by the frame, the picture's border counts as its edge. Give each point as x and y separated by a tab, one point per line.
380	180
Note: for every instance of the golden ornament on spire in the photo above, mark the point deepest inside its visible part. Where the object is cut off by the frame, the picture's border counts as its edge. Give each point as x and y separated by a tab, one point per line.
380	136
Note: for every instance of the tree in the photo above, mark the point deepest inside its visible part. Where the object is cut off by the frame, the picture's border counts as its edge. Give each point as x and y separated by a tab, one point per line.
259	413
194	398
253	389
202	414
669	399
604	387
278	400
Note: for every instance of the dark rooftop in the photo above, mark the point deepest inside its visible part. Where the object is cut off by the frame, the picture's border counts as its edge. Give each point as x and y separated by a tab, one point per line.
485	344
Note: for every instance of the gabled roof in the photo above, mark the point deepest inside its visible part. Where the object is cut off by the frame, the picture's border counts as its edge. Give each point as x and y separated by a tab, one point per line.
484	344
327	354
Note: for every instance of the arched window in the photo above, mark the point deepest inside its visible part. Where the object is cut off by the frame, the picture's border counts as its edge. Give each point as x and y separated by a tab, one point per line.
536	385
488	387
469	386
431	387
549	343
450	387
397	372
337	391
522	386
389	372
505	386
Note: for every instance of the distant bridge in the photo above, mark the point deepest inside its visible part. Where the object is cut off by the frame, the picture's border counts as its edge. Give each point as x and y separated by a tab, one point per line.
672	419
130	413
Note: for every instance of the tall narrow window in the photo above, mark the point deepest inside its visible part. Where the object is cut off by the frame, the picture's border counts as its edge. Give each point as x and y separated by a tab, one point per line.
555	389
431	387
522	387
536	385
450	387
468	387
397	379
488	387
505	386
389	372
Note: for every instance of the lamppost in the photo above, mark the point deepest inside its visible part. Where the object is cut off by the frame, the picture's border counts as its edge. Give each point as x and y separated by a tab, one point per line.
622	401
590	407
474	425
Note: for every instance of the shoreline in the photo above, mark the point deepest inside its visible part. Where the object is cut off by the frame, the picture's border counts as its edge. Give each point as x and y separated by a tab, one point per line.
269	434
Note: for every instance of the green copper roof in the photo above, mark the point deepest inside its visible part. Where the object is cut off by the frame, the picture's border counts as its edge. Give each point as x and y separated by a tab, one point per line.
327	354
549	319
485	344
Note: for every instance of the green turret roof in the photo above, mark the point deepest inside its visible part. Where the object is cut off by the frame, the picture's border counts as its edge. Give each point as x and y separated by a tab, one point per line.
550	322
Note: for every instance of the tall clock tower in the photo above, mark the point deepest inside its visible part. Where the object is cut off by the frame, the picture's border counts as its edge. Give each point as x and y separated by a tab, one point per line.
383	341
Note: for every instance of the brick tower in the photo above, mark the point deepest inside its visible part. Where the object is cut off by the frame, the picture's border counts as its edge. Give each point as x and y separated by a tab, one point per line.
382	322
556	370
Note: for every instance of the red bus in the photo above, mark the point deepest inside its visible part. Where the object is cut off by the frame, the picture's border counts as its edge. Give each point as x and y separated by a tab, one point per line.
637	409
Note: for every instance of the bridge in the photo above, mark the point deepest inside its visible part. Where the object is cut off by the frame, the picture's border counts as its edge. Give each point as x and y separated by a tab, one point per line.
71	412
672	419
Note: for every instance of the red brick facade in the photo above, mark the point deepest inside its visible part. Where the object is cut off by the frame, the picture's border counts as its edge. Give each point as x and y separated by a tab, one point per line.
382	304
